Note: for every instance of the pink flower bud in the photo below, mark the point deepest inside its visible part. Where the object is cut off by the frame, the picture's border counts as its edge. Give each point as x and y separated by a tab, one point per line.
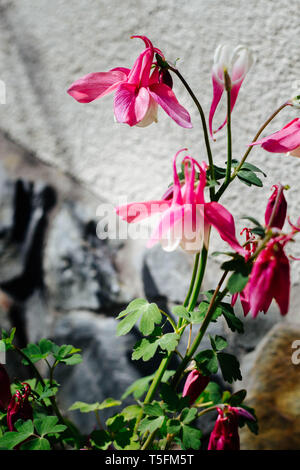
19	407
194	385
225	435
275	216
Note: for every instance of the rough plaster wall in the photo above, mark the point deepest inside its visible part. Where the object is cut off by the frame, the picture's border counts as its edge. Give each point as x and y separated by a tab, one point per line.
44	46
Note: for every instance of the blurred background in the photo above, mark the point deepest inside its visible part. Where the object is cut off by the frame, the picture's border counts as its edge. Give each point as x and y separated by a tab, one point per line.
60	159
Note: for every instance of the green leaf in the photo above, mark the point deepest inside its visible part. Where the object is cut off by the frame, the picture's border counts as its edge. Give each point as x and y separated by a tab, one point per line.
181	312
237	282
149	313
197	316
207	362
45	346
131	412
237	398
36	444
89	407
171	399
72	360
11	439
252	219
45	425
173	426
138	388
100	439
230	367
169	341
25	427
234	323
153	409
191	437
188	415
218	343
151	424
249	178
145	349
248	166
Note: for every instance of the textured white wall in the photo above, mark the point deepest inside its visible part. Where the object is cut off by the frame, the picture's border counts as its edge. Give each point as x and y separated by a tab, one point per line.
45	46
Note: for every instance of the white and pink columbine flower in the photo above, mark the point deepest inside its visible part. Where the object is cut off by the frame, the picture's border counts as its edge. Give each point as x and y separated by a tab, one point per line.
286	140
236	62
138	91
185	216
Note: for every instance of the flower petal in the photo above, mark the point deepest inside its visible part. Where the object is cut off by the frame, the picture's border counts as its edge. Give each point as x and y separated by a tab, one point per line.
218	89
220	218
94	85
137	211
131	107
166	98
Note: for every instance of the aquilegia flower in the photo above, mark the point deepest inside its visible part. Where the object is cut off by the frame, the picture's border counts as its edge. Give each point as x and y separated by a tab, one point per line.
186	217
277	218
236	62
287	140
19	407
138	91
270	278
194	385
225	435
5	394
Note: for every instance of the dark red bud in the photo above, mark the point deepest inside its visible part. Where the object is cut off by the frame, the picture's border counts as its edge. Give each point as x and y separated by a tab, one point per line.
166	78
194	385
275	216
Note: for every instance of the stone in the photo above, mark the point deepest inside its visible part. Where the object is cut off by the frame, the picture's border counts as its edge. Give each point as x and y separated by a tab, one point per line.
79	267
167	274
274	392
106	370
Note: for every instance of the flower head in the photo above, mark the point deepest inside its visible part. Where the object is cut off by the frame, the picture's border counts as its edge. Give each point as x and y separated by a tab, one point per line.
233	63
225	435
194	385
186	217
19	406
287	140
275	214
138	91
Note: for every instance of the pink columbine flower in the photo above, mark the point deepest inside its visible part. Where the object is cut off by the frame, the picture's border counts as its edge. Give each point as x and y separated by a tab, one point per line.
270	279
19	407
138	91
287	140
186	217
236	62
5	394
277	218
194	385
225	435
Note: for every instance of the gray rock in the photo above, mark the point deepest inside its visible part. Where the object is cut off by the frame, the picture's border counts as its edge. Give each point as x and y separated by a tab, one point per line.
79	269
167	274
106	370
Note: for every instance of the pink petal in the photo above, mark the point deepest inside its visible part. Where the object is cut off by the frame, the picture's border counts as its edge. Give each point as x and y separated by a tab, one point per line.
281	288
94	85
131	107
218	89
233	97
166	229
166	98
220	218
137	211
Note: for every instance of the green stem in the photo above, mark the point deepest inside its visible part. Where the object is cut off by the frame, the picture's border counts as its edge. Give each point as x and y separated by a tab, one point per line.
229	147
196	264
234	174
199	279
216	298
203	120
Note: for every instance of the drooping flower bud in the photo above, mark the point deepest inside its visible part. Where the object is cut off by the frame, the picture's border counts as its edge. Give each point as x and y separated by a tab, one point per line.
194	385
19	407
275	214
5	394
225	435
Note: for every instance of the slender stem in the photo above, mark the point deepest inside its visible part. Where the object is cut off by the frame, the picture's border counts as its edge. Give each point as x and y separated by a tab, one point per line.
199	279
190	337
153	387
187	299
216	298
234	174
170	319
203	120
229	147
